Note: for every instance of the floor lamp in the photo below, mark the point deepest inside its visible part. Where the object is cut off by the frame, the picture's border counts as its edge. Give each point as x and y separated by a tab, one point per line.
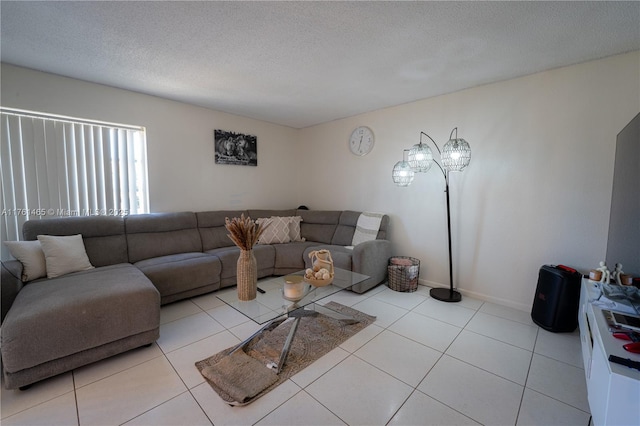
455	156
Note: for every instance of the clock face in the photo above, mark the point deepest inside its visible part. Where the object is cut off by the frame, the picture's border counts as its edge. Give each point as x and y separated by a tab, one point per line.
361	141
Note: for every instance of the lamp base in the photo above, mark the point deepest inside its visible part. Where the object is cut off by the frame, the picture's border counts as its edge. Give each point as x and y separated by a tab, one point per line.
445	295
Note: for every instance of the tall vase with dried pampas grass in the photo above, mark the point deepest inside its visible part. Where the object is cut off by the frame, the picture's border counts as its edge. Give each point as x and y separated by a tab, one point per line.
244	232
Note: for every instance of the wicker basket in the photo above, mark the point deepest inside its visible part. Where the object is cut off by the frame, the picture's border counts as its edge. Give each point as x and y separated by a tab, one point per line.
403	273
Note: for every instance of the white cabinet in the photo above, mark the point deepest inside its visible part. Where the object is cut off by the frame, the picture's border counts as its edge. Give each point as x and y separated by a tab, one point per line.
613	390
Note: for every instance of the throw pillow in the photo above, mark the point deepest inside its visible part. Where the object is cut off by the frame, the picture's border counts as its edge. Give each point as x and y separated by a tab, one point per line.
64	255
294	228
30	254
277	231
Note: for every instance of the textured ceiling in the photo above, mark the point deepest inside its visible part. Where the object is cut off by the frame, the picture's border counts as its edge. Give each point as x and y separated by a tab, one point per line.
303	63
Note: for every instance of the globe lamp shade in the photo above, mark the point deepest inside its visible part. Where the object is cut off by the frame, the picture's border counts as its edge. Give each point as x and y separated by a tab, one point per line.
456	155
420	158
402	174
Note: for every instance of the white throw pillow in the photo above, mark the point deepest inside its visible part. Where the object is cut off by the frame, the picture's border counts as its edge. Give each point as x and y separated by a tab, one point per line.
64	255
277	231
30	254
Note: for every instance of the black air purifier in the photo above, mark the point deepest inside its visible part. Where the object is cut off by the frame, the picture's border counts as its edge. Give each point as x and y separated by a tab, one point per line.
555	306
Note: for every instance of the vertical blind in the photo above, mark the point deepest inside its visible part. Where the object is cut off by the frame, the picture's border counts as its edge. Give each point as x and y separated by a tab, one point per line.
54	166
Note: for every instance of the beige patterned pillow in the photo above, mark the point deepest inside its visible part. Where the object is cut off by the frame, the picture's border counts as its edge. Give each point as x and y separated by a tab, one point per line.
277	232
294	228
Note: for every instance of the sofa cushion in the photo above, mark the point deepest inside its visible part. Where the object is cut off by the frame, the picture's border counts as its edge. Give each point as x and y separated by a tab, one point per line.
346	228
264	254
177	273
54	318
103	236
64	254
289	256
319	225
161	234
31	256
212	230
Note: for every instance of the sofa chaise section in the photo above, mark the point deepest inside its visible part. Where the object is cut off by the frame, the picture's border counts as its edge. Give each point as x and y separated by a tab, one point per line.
54	325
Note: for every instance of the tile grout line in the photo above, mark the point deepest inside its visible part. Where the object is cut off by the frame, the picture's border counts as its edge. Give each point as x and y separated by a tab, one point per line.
75	395
526	380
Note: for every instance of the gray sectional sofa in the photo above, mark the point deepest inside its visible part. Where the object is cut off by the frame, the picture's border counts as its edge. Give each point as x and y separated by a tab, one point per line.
53	325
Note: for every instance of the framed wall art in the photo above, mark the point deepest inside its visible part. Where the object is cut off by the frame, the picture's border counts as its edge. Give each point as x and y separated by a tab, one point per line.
235	148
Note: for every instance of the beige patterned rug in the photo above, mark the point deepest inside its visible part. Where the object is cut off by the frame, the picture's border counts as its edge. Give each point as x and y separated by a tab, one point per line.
243	377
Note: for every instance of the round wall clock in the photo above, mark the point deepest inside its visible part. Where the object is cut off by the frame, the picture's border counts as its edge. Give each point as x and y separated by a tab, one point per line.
361	141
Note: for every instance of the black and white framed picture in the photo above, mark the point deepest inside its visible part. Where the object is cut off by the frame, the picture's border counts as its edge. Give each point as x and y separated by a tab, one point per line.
235	148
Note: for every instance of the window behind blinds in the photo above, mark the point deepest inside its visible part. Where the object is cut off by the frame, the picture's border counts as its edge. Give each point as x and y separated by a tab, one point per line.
60	166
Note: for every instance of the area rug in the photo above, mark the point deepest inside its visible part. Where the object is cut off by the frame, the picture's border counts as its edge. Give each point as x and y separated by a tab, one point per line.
316	336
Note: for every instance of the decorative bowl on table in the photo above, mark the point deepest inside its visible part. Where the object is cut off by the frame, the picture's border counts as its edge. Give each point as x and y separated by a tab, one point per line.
318	278
319	282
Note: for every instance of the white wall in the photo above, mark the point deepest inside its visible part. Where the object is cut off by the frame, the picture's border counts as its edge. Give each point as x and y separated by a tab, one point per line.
182	173
537	191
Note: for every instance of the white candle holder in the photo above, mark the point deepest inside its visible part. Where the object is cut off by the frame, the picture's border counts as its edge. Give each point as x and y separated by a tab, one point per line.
294	288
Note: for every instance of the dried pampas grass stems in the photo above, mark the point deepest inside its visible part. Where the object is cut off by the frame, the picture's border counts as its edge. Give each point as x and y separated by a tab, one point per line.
244	232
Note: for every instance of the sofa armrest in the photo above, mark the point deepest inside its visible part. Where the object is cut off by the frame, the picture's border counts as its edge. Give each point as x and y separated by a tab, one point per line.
371	258
10	284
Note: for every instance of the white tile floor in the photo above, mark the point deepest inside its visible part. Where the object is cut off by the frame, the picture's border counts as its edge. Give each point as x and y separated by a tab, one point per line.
423	362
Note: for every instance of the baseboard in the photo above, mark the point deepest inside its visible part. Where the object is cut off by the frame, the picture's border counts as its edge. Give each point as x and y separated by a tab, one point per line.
481	296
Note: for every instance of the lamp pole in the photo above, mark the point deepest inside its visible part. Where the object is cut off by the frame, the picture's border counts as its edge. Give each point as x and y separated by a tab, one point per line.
444	294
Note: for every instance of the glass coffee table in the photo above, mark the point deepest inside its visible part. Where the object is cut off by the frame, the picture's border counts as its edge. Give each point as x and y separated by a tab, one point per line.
271	308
